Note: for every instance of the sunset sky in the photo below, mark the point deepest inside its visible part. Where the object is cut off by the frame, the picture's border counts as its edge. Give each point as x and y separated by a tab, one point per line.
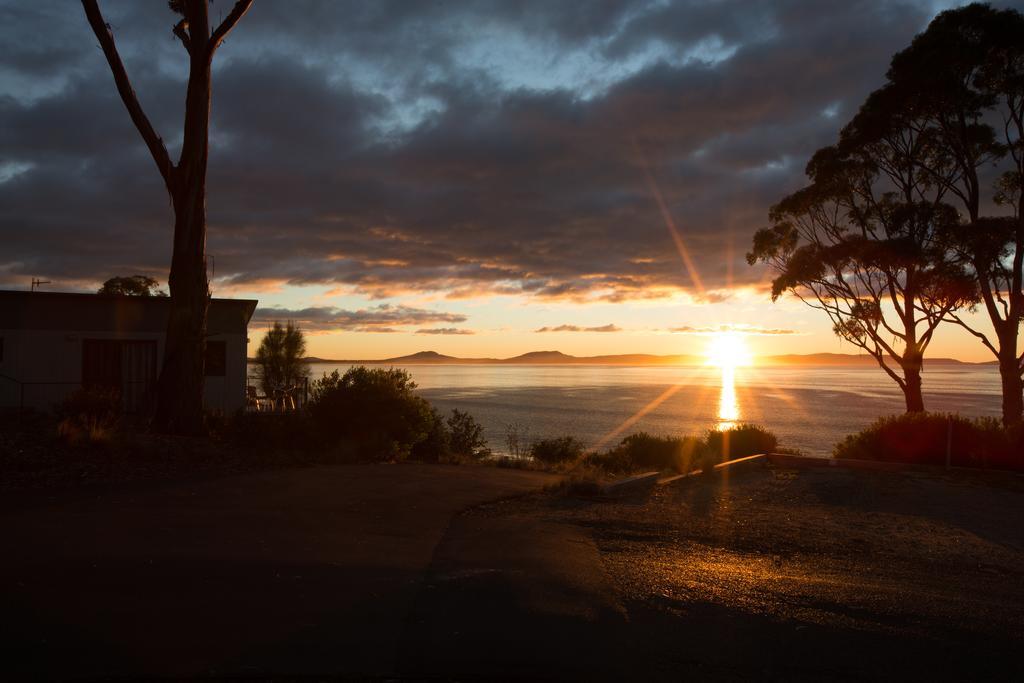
477	178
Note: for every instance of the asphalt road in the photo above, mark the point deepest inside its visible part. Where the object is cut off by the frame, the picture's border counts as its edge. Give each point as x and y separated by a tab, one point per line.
301	572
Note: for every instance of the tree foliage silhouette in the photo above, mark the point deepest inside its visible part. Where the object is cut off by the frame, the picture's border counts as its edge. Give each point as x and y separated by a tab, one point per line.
962	75
131	285
863	243
280	358
179	402
889	238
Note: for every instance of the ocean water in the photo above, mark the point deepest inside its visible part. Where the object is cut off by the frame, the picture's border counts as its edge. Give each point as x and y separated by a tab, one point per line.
809	408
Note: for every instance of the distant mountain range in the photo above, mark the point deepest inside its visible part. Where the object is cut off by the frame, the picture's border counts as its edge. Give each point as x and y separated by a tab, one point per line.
559	358
847	359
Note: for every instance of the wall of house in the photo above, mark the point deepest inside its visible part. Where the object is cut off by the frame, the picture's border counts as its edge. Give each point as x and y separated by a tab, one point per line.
47	365
227	393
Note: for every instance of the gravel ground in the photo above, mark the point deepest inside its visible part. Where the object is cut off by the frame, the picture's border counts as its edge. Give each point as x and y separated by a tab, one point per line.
803	574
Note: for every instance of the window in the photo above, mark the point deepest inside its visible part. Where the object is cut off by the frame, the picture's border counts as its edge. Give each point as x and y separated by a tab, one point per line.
126	366
101	364
216	358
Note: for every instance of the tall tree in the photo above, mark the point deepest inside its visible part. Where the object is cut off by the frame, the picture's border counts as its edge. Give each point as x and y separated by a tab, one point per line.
863	244
960	76
180	388
280	358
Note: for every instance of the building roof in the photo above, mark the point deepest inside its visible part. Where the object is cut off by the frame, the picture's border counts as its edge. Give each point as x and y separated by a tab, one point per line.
21	310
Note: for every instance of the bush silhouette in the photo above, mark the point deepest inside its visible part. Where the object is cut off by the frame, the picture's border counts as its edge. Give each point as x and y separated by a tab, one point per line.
465	435
740	441
558	450
921	439
372	410
89	416
436	442
643	451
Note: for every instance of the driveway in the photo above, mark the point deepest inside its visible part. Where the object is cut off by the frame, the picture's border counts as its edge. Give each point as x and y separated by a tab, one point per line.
312	571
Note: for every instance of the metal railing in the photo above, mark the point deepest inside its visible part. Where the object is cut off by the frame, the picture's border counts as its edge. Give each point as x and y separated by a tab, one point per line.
21	387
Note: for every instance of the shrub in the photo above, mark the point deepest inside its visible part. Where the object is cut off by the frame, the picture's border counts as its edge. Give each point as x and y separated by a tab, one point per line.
922	438
556	451
517	436
436	444
740	441
1009	454
644	451
89	416
615	461
373	410
465	435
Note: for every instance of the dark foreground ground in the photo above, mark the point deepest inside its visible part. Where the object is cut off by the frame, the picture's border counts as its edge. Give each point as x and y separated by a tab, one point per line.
780	574
373	571
299	572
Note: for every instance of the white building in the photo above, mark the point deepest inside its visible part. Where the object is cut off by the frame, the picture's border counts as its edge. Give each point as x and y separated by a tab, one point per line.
53	343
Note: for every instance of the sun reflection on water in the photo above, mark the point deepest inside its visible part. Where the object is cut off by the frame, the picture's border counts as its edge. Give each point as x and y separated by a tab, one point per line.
728	406
728	351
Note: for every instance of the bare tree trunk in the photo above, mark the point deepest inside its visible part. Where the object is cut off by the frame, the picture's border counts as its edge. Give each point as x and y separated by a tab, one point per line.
913	354
1009	362
179	406
912	383
179	403
1007	335
1009	373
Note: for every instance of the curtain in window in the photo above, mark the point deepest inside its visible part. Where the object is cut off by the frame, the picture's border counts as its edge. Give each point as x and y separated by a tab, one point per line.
138	375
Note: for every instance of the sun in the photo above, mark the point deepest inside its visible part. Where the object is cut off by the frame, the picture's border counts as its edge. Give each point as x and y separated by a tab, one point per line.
727	350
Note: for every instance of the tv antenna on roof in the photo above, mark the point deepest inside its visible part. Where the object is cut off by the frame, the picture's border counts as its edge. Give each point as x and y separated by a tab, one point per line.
36	282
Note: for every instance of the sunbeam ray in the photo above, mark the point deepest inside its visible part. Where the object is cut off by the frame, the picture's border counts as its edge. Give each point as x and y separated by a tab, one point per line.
670	224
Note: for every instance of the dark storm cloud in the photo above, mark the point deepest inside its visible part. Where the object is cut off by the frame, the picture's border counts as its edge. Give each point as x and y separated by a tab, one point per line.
469	148
21	26
383	318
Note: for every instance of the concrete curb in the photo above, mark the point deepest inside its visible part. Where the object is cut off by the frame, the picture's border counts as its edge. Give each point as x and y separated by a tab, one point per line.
727	466
742	463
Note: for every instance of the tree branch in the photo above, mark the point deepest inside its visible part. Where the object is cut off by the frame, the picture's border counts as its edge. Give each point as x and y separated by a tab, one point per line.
124	88
179	30
237	12
952	317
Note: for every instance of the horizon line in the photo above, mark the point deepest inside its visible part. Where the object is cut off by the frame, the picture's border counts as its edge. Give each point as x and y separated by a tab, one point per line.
548	357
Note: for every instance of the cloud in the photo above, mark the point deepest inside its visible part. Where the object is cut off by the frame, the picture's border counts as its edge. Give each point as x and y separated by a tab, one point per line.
576	328
468	148
445	330
381	318
754	330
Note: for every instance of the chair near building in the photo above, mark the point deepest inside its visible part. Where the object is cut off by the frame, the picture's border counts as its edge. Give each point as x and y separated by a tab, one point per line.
253	400
284	399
